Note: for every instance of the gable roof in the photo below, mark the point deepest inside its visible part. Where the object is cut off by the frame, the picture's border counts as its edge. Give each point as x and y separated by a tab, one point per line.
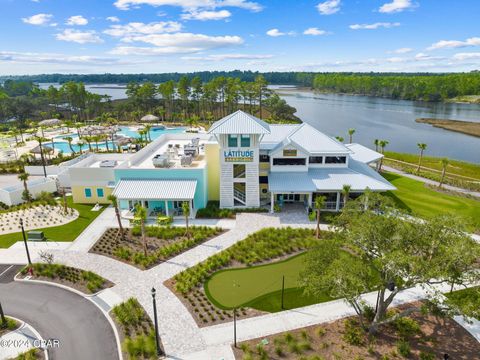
363	154
313	141
240	122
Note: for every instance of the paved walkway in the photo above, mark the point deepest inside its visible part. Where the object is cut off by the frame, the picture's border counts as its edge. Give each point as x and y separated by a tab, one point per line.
431	182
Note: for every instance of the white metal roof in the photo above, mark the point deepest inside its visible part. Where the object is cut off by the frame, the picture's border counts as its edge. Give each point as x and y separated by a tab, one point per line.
277	134
133	189
314	141
359	176
363	154
240	122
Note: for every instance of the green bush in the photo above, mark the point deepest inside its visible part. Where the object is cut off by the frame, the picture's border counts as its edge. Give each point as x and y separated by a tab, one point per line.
142	346
213	211
29	355
407	327
354	334
403	348
123	253
427	355
129	313
9	325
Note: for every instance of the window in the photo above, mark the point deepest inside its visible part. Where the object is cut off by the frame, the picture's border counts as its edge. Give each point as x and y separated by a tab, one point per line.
264	158
239	171
263	179
285	161
315	159
100	192
245	140
335	159
88	193
289	152
232	140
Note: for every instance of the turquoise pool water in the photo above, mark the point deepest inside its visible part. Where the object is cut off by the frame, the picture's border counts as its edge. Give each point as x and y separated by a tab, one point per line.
154	134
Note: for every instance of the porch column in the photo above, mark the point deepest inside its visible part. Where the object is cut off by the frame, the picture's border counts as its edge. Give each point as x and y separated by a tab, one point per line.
190	205
337	207
272	202
310	196
166	207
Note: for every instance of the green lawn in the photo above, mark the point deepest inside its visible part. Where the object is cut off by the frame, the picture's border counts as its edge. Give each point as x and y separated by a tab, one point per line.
454	166
259	287
414	196
67	232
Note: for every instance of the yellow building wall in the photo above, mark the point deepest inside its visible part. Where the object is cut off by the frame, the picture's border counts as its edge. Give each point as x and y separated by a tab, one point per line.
78	195
212	155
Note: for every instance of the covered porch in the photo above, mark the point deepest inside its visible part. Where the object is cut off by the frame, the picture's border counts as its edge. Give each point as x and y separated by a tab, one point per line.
159	197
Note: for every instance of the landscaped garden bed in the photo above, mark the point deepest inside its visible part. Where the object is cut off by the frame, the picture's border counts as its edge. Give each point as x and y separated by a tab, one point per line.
10	325
163	243
84	281
32	354
136	330
211	295
421	336
213	211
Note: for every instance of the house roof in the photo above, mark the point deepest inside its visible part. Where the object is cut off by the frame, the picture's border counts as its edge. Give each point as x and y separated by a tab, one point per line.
240	122
358	175
132	189
363	154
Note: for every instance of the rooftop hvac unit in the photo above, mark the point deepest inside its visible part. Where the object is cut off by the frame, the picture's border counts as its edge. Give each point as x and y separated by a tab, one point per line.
160	161
186	160
108	163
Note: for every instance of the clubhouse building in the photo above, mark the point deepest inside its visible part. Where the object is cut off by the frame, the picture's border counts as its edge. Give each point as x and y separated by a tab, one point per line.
242	162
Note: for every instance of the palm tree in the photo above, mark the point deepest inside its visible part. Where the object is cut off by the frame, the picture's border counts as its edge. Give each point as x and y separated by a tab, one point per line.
26	194
444	163
339	138
96	139
80	145
186	213
148	137
383	144
319	205
346	192
141	217
422	148
113	199
376	142
69	139
350	134
88	139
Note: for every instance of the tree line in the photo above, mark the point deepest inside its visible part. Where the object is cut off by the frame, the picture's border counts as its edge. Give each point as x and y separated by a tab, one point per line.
424	87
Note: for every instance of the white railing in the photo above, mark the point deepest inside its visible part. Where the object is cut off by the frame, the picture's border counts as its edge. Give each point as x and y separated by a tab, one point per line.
240	196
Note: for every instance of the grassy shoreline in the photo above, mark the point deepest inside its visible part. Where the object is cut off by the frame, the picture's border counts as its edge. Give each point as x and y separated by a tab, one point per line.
464	127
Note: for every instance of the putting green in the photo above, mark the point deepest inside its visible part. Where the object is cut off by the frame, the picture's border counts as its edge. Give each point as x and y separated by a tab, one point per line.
239	287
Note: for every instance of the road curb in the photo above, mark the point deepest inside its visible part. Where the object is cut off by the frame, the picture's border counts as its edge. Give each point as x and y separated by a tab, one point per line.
85	296
35	332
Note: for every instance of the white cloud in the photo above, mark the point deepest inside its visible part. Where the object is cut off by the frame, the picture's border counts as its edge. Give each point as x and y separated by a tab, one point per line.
314	31
178	43
467	56
78	20
451	44
39	19
113	19
190	5
80	37
275	33
374	26
222	57
53	58
207	15
397	6
138	28
426	57
329	7
404	50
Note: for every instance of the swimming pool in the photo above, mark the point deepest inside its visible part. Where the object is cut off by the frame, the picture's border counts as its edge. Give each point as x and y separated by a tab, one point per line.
126	131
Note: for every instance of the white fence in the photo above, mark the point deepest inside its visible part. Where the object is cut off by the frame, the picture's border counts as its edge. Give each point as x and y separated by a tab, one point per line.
12	195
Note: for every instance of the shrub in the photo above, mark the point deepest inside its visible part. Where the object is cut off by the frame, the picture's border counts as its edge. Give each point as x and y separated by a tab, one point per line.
406	327
403	348
426	355
321	331
354	334
141	346
129	313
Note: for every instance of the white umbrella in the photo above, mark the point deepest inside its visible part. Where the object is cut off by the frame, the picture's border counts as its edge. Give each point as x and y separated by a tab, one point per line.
149	118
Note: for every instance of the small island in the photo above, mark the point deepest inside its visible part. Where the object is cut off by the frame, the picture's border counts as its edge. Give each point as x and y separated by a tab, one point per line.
464	127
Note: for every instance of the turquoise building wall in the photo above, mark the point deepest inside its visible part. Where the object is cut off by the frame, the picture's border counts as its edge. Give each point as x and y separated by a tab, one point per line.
201	193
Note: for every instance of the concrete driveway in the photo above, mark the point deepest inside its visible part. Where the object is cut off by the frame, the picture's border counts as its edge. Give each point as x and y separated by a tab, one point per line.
81	328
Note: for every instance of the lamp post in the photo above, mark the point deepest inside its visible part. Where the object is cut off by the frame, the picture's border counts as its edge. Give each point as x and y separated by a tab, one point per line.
235	327
157	340
25	242
2	317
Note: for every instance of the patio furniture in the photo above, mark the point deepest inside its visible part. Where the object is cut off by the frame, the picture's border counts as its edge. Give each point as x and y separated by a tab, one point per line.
36	236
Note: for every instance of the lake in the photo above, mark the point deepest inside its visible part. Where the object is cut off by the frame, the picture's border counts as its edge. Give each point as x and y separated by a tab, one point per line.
373	118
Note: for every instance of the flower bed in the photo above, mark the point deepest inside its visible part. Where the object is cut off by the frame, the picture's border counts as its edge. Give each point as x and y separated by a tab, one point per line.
136	330
422	336
266	245
163	243
84	281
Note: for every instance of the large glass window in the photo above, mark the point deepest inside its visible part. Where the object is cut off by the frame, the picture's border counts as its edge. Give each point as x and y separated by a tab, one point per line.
315	159
335	159
239	171
88	192
264	158
100	193
245	140
287	161
232	140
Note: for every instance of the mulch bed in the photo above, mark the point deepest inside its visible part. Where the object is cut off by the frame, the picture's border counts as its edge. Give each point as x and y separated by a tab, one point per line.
7	330
110	241
438	336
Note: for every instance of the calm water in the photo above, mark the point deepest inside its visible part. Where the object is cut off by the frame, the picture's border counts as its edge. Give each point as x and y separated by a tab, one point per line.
392	120
373	118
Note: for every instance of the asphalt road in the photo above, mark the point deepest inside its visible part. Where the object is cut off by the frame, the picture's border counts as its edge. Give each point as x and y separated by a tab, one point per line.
81	328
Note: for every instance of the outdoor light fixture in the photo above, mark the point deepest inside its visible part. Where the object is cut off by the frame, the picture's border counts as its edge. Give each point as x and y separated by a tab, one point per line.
391	286
25	242
157	339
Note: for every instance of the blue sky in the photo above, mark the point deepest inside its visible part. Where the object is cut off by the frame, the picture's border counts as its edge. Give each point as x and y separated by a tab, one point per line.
131	36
